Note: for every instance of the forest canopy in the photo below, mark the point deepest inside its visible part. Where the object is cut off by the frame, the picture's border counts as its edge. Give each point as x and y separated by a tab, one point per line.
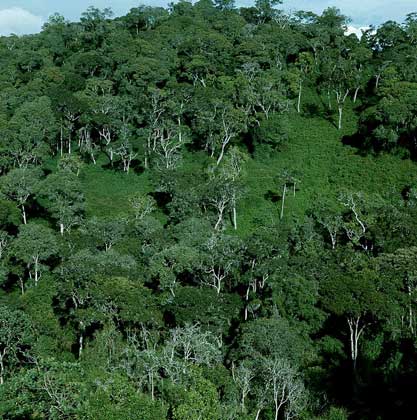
208	213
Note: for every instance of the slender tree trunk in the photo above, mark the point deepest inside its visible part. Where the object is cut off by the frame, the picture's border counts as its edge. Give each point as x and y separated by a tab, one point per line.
340	117
234	217
355	96
221	154
36	270
219	219
377	78
61	228
80	344
300	87
258	413
1	370
410	313
333	239
24	214
218	285
22	285
356	331
283	201
152	386
277	407
61	142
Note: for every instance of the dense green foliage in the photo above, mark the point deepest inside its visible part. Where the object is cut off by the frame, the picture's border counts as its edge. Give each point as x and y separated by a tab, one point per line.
208	213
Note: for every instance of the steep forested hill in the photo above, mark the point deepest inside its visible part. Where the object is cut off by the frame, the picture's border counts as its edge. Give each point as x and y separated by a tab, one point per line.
208	213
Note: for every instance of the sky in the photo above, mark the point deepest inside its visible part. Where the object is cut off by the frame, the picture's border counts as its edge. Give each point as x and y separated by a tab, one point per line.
27	16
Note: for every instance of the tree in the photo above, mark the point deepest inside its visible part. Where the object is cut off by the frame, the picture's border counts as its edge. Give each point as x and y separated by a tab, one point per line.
34	244
219	196
218	119
340	80
16	335
359	299
60	388
194	346
400	267
105	231
361	57
169	142
363	210
272	132
231	171
221	257
65	199
116	397
390	124
304	65
266	9
71	163
169	264
243	375
144	18
20	185
263	92
225	4
200	403
232	123
286	179
4	242
286	389
29	133
142	205
126	153
331	220
143	361
166	132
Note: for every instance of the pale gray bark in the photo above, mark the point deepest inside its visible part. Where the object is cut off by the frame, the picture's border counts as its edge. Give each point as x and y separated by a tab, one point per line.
284	192
356	330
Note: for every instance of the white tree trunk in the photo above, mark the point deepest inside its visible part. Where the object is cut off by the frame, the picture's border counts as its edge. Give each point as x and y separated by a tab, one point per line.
234	217
219	159
333	237
24	215
340	117
356	330
61	142
80	343
283	201
220	218
36	267
2	369
355	96
300	87
377	78
22	285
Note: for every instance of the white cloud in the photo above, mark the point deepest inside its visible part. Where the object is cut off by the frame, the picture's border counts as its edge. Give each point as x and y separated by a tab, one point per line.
358	31
19	21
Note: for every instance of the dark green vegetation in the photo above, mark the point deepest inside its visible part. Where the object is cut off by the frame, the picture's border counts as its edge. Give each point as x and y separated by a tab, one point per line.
208	213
